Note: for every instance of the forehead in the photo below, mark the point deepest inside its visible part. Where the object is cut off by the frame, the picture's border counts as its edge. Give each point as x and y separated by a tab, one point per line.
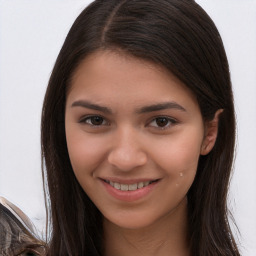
124	79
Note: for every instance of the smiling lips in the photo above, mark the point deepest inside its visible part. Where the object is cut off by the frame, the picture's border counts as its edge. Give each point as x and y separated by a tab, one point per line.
129	187
129	192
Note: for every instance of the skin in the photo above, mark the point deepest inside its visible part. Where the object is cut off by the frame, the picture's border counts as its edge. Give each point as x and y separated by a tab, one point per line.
129	143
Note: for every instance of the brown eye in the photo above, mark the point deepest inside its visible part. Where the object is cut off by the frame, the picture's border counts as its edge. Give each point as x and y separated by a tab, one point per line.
162	121
94	120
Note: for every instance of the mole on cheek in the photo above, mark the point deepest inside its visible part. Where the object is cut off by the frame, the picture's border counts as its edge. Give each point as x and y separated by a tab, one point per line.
180	175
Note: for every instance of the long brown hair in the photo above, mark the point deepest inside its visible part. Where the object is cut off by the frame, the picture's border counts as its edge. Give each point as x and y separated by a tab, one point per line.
180	36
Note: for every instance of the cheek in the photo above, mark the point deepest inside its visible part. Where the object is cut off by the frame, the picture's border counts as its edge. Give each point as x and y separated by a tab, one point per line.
178	155
85	153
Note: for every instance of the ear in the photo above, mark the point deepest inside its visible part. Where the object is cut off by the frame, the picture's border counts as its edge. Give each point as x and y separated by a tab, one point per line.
211	133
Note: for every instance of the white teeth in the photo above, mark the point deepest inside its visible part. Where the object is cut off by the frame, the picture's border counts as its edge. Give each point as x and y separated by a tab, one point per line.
129	187
140	185
133	186
146	183
124	187
117	185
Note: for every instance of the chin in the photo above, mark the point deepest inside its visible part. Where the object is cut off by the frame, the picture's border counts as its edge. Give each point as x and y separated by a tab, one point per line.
132	220
132	224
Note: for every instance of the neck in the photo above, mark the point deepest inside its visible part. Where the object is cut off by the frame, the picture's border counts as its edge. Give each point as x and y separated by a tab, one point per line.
167	236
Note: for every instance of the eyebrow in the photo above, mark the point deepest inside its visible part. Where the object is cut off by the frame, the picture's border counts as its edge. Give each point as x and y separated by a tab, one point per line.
90	105
160	106
145	109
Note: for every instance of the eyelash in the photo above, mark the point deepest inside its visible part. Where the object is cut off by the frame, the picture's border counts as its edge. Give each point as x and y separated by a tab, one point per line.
85	120
171	122
88	121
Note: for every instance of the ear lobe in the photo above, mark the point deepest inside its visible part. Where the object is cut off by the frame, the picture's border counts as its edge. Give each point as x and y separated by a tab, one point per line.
211	133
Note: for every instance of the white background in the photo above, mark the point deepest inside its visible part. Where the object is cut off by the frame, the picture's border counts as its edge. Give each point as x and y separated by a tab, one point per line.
31	35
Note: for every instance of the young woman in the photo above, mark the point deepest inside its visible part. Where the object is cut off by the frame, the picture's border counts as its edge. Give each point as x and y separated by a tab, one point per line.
138	133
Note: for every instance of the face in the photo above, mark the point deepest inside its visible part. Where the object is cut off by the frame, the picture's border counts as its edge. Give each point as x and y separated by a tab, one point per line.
134	135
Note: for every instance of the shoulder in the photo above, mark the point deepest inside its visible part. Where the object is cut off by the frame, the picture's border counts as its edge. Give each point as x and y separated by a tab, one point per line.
17	236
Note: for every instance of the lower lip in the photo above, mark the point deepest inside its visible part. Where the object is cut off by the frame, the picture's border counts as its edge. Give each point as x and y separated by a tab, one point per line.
129	196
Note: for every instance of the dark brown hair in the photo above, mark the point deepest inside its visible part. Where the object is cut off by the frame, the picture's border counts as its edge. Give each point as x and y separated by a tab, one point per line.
180	36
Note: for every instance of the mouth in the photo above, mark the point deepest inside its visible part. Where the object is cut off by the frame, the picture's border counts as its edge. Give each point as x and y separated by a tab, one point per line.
130	187
129	190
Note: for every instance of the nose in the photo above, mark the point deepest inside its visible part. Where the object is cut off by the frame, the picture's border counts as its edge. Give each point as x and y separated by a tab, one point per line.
127	151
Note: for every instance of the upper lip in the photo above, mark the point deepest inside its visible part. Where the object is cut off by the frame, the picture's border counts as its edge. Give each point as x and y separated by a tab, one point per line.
128	181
